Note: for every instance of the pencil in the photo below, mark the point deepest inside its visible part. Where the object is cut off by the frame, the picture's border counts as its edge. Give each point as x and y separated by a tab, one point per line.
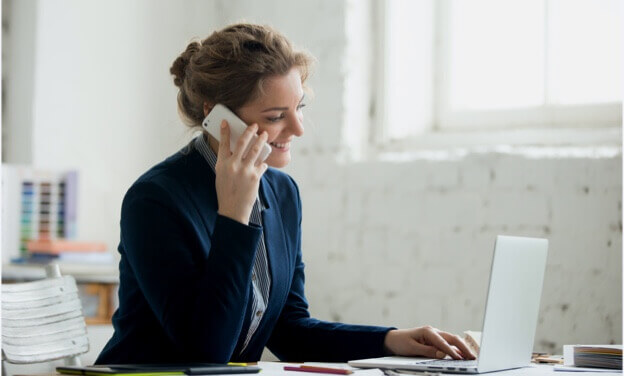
304	368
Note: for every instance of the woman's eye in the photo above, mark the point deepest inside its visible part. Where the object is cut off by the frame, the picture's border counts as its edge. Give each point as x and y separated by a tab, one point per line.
282	116
275	119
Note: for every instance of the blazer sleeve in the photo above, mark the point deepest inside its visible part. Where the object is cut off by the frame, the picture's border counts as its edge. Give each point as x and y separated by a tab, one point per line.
192	299
298	337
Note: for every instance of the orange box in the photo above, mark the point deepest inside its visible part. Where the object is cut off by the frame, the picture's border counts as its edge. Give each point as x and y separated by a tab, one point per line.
56	246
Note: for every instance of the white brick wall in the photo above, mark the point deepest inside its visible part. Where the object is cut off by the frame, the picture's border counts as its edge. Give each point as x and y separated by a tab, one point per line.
410	243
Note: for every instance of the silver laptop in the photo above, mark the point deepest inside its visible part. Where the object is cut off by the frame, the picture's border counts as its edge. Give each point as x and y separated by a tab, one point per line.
511	314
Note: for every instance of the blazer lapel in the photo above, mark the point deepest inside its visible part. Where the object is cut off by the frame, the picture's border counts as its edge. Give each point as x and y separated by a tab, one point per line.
200	170
275	242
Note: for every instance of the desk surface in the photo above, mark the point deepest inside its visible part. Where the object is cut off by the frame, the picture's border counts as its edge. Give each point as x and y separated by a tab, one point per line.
277	369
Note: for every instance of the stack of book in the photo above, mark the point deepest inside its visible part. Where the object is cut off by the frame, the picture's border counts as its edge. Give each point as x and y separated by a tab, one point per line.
591	358
67	251
598	356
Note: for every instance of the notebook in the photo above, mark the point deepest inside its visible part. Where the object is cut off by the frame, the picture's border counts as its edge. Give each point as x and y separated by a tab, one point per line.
156	369
511	313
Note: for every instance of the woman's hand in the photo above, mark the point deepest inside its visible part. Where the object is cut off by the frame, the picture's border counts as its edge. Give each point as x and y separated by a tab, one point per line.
428	342
238	175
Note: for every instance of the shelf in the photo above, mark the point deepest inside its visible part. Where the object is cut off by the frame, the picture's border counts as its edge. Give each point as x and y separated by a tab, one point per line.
82	272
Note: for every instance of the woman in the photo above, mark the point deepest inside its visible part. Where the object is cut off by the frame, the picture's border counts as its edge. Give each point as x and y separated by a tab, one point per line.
211	267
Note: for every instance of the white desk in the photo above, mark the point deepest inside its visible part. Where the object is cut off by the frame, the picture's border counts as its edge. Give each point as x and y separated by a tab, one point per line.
545	369
277	369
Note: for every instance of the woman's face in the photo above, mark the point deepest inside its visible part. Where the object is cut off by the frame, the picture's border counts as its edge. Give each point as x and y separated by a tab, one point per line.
278	112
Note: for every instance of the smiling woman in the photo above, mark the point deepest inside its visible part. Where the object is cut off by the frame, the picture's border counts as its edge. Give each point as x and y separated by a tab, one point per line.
211	267
278	112
230	67
253	70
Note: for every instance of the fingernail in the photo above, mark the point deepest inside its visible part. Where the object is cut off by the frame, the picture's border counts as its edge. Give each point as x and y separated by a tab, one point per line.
440	354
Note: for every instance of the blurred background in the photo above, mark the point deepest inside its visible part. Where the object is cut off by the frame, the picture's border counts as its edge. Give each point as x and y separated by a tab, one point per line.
434	127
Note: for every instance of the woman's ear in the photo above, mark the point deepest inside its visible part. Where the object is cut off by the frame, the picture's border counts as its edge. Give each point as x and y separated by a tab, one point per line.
207	108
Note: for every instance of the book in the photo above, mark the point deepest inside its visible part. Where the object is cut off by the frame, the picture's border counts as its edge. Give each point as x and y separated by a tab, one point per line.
37	204
156	369
598	356
593	356
69	257
70	210
97	371
57	246
43	251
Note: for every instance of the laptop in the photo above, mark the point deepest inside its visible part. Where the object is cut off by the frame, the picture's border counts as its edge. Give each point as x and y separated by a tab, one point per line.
511	314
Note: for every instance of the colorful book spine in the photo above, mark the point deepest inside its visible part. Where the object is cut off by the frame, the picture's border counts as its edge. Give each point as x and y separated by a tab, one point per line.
37	204
28	216
46	204
70	199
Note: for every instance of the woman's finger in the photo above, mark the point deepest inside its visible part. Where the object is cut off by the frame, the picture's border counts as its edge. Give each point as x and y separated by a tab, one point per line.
243	141
224	144
256	149
428	351
456	341
263	168
438	341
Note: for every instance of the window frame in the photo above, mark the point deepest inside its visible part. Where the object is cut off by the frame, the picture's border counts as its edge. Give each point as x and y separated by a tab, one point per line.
479	126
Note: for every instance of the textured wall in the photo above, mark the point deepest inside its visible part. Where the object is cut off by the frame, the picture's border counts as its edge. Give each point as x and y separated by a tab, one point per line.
410	243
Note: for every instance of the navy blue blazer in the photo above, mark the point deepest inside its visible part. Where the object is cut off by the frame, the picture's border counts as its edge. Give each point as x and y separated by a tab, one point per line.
185	276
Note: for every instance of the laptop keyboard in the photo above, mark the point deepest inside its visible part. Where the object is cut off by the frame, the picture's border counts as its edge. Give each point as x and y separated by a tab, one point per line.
452	363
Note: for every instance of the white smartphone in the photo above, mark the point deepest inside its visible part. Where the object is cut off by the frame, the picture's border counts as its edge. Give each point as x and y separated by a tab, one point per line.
212	123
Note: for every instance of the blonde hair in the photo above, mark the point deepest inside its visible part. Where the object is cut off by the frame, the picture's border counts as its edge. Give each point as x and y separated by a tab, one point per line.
230	66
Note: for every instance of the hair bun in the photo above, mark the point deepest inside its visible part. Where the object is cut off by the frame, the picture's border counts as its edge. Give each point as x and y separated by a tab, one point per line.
178	69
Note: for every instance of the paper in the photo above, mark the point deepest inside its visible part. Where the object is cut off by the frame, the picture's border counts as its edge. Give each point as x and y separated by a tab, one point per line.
601	356
565	368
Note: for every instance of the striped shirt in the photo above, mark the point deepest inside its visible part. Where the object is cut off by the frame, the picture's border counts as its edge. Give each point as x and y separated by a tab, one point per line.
260	278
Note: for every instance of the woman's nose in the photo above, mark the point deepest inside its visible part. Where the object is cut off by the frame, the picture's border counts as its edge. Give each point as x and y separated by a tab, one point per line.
296	125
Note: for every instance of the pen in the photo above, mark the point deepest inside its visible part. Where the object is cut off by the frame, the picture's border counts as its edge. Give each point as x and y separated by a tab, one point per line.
304	368
237	364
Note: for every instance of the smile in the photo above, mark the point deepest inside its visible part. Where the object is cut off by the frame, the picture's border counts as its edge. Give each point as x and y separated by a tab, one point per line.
281	146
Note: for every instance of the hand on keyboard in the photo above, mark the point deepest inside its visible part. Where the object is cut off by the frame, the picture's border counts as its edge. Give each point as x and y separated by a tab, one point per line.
428	342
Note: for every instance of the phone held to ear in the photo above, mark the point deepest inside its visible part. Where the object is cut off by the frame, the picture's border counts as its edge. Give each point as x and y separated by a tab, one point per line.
212	123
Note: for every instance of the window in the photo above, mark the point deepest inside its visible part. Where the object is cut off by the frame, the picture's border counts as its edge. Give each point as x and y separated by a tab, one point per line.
456	65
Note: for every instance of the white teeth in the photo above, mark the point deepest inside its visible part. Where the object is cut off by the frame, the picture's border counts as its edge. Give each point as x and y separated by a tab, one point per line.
279	145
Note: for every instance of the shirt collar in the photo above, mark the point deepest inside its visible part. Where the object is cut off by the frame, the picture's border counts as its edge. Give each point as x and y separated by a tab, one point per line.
201	144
